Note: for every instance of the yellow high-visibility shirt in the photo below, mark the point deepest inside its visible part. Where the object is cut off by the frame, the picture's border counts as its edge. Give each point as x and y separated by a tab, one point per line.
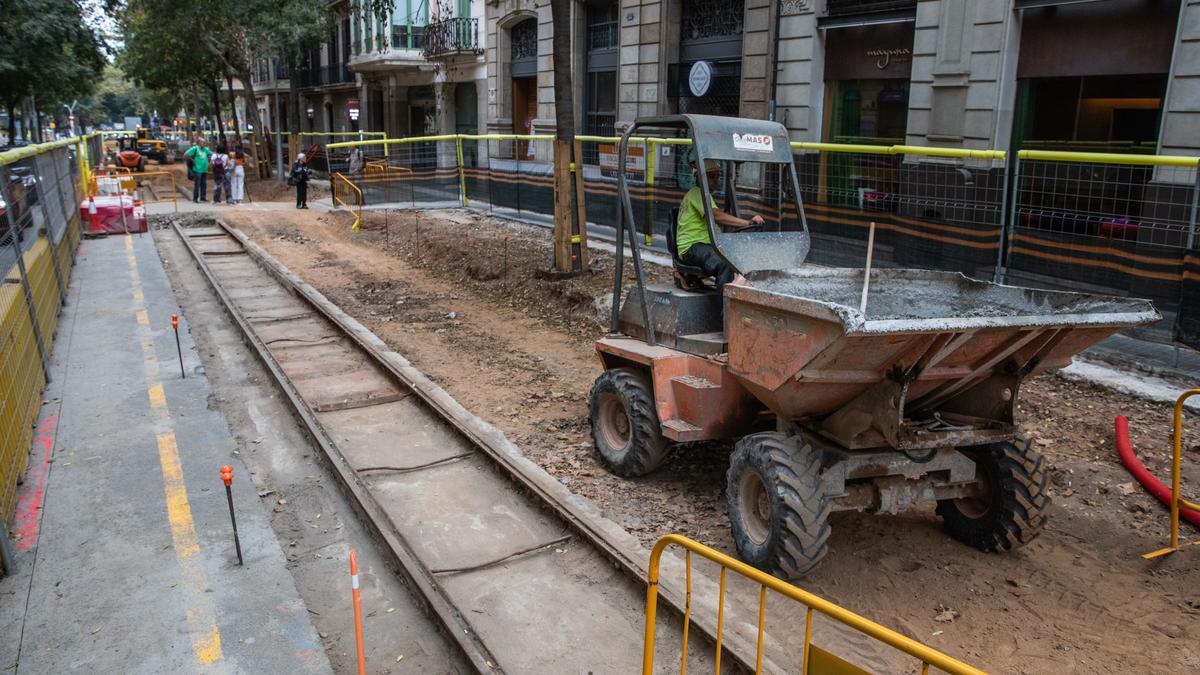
692	226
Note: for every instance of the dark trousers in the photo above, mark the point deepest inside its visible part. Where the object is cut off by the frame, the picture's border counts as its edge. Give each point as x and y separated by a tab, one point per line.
705	257
219	182
199	186
302	193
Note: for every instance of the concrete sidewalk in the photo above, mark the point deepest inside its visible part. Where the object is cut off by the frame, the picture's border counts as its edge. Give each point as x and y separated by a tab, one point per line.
125	553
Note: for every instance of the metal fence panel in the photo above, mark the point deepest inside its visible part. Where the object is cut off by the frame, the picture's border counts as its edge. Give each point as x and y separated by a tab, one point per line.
1120	224
39	230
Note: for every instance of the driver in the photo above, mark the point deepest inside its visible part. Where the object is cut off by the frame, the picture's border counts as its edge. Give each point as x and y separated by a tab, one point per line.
692	240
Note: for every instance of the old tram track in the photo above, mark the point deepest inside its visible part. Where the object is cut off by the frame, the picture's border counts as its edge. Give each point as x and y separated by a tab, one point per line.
521	575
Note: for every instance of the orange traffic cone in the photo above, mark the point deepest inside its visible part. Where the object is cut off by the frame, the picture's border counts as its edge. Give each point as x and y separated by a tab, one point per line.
94	229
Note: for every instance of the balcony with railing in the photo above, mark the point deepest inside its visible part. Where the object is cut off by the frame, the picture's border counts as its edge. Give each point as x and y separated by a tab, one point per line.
269	74
456	36
865	12
325	76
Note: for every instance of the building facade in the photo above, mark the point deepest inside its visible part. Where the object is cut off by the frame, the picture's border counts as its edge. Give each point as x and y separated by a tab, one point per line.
1101	74
418	70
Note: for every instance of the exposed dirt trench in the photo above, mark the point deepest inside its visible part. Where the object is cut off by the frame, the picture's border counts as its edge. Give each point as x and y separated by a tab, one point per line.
460	295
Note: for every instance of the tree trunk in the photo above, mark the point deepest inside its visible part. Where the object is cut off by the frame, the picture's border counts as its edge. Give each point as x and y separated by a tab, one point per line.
570	237
195	117
252	118
215	90
12	122
237	129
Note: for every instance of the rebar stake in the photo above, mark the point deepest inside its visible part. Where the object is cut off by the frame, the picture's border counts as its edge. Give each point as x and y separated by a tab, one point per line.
179	349
227	477
356	597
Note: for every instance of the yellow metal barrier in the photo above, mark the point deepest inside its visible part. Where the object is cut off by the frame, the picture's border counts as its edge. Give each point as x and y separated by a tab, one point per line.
1110	158
815	659
338	200
1177	500
174	191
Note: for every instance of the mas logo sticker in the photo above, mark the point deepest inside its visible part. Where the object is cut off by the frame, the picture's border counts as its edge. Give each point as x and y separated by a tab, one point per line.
753	142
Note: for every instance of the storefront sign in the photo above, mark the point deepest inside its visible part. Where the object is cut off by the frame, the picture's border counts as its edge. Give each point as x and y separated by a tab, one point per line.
352	107
885	57
753	142
635	158
700	78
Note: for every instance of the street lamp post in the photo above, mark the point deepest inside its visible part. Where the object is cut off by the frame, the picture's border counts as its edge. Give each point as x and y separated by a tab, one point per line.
71	117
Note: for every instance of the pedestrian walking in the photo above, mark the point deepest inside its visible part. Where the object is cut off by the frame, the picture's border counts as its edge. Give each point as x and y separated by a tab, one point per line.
197	158
239	175
221	175
299	178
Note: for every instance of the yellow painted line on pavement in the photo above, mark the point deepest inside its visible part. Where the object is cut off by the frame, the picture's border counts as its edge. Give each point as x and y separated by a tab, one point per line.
179	512
200	615
158	399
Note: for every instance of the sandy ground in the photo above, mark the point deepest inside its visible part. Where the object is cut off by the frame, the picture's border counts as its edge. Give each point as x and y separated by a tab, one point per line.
461	295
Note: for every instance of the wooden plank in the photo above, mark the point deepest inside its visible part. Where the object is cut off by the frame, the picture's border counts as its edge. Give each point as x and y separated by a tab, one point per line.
562	206
580	208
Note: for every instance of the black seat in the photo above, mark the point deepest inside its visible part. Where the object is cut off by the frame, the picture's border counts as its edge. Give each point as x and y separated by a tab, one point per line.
687	277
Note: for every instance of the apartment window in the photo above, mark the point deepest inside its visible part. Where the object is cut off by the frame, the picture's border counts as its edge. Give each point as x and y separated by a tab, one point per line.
601	61
408	24
602	26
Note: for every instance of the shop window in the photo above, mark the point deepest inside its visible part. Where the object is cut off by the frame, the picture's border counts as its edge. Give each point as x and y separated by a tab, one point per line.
869	111
1097	113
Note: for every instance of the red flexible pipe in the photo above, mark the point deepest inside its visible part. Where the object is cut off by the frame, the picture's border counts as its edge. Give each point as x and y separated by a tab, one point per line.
1135	467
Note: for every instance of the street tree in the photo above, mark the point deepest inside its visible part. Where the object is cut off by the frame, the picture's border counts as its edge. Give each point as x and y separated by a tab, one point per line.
48	55
570	235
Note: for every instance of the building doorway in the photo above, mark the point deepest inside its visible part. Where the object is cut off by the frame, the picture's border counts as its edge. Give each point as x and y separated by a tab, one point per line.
524	82
710	32
466	119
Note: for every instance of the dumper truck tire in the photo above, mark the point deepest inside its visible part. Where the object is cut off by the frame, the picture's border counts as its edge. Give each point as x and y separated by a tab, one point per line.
778	511
1012	510
625	425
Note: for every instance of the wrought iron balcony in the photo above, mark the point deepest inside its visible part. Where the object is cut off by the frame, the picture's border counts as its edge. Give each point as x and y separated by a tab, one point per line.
325	76
452	37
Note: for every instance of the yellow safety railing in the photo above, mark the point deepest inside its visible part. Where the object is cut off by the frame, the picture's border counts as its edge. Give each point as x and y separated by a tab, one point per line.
357	208
1177	500
1110	158
814	659
174	189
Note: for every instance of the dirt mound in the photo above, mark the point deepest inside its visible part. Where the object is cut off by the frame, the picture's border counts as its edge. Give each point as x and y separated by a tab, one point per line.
502	261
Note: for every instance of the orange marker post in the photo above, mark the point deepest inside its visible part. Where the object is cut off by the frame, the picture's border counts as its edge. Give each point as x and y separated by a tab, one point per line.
358	628
175	325
227	477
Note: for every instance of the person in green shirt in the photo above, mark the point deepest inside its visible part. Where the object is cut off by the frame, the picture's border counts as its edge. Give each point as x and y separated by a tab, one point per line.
197	161
692	241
